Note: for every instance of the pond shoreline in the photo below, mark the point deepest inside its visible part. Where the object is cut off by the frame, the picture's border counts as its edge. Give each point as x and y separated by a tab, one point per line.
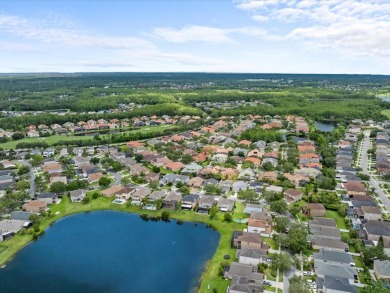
208	272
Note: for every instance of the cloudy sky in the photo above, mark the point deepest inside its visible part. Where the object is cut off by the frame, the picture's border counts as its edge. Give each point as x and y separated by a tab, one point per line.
287	36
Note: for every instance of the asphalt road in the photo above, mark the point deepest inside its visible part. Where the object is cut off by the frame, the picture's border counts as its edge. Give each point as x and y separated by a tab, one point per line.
31	191
373	182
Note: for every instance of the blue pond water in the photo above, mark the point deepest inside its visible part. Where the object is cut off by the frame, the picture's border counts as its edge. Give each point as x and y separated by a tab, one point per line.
110	251
324	126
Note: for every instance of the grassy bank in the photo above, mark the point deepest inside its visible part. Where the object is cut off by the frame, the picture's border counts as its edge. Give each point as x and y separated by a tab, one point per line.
56	138
210	277
386	113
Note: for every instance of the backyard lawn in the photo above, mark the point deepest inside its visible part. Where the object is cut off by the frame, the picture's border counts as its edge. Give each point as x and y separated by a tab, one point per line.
339	219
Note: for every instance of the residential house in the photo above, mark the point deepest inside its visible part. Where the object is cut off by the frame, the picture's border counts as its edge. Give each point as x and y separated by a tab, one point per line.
171	201
261	226
189	201
48	197
95	177
174	166
374	229
13	226
273	188
77	195
21	215
35	206
382	271
251	256
251	240
354	188
314	210
270	176
139	194
371	213
292	195
156	195
173	179
196	182
205	203
113	190
226	204
191	169
247	174
48	152
220	158
239	185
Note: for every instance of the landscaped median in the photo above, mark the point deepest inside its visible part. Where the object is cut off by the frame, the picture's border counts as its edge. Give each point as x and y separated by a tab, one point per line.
210	277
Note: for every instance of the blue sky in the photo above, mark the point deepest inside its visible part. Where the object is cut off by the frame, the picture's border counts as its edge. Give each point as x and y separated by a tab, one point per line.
291	36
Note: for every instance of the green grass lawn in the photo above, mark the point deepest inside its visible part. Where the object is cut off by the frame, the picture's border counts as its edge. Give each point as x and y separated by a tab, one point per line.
386	113
210	276
239	211
339	219
55	138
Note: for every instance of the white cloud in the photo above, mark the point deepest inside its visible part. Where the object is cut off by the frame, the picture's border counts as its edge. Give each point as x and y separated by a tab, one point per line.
54	30
193	33
260	18
360	27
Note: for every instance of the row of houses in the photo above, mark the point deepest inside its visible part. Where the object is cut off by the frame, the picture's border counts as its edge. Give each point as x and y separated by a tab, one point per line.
382	152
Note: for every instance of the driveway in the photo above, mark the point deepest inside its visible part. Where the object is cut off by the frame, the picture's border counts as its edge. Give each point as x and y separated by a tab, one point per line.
117	176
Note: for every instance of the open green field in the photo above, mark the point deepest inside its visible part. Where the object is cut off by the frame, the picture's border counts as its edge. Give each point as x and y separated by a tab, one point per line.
209	278
55	138
386	113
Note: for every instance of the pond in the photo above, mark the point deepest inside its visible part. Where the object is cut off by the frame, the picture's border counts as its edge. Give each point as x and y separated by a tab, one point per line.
109	251
385	98
325	126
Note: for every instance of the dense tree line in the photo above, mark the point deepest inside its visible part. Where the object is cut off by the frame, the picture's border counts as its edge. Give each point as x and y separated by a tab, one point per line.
329	109
114	138
256	134
19	123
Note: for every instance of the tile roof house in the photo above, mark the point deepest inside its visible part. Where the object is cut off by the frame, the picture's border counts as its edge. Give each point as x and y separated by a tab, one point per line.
113	190
20	215
205	203
174	178
48	197
247	174
260	226
250	256
196	182
174	166
354	188
251	240
374	229
333	244
225	204
171	200
293	195
335	284
77	195
191	169
189	201
371	213
271	176
382	270
314	210
35	206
